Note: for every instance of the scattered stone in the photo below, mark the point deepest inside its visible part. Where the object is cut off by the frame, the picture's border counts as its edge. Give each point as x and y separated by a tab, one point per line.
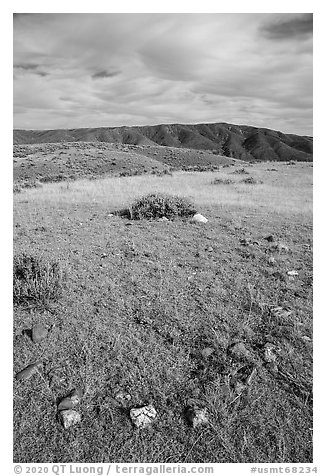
103	255
272	367
306	338
163	219
279	275
269	355
210	249
39	333
207	352
239	351
196	416
280	313
69	418
110	215
198	218
143	416
269	238
244	242
280	247
122	397
28	371
71	400
271	260
292	273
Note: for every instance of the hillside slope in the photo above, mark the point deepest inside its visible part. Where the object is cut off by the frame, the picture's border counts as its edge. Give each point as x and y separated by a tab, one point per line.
241	142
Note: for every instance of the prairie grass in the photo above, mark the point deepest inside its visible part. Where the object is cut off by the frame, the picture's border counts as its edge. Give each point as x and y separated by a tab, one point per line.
285	192
143	301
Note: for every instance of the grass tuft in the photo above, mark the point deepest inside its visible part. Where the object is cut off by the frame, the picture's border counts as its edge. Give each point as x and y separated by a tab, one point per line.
158	205
219	181
36	280
251	181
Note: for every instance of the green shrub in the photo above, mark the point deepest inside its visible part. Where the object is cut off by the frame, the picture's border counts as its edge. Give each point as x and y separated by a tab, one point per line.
158	205
220	181
242	171
251	181
36	280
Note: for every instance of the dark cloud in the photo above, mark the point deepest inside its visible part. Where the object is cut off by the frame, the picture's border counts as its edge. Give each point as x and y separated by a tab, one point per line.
105	74
26	66
292	28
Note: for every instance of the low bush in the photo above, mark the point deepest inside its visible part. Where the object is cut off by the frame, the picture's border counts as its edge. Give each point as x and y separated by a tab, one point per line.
242	171
36	280
158	205
251	181
220	181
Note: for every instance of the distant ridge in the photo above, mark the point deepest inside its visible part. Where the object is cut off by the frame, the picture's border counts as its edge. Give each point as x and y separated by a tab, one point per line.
240	142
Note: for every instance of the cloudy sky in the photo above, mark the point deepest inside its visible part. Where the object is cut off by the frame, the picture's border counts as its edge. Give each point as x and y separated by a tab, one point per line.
92	70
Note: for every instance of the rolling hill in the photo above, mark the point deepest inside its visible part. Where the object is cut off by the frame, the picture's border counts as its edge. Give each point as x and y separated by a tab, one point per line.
240	142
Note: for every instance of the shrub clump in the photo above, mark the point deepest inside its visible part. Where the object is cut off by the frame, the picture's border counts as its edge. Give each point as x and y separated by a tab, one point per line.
219	181
241	171
36	280
158	205
251	181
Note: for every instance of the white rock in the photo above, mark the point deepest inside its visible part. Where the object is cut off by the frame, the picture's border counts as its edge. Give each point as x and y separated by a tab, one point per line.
197	416
292	273
198	218
143	417
69	418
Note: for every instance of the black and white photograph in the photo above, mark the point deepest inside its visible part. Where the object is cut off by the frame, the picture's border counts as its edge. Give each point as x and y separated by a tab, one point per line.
163	239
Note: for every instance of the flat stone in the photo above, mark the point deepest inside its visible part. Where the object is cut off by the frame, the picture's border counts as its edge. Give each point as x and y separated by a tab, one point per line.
239	351
28	371
69	418
269	238
207	352
71	400
39	333
196	416
143	416
198	218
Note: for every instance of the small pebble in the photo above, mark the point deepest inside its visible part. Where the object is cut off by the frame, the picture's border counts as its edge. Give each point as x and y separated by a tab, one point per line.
69	418
196	416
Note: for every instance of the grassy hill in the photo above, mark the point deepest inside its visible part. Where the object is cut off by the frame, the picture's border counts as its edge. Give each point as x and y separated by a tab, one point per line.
54	162
241	142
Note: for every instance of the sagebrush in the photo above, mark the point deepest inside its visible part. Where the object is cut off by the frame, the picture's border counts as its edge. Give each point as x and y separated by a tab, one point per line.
158	205
36	279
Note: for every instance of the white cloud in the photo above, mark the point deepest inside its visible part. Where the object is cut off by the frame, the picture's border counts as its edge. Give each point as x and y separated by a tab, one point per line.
88	70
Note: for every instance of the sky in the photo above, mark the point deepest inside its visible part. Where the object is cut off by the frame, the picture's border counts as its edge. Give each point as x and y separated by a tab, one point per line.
107	70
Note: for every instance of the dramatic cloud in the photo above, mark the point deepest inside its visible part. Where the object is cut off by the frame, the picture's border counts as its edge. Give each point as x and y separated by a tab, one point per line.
105	74
296	28
89	70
